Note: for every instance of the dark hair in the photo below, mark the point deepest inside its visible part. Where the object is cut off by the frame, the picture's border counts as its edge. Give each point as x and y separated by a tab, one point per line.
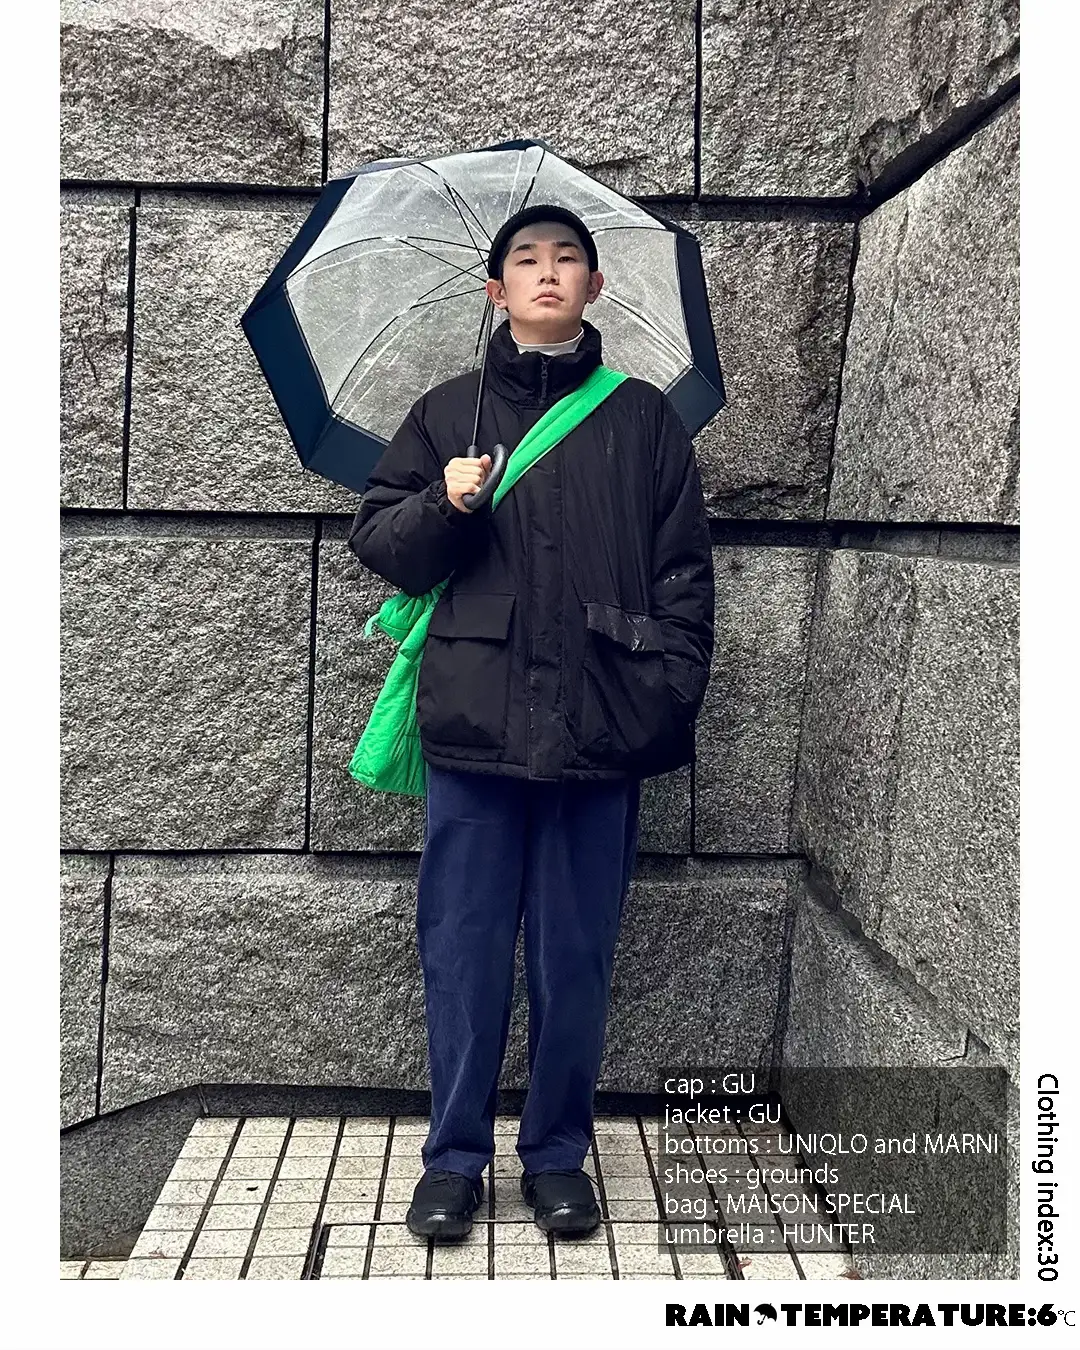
531	216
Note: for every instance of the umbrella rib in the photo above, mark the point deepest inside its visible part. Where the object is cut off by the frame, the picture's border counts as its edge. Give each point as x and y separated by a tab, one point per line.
440	298
454	204
415	305
454	197
535	176
462	272
420	300
400	239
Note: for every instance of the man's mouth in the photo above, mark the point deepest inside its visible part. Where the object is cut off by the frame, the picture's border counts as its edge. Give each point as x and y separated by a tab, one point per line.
548	297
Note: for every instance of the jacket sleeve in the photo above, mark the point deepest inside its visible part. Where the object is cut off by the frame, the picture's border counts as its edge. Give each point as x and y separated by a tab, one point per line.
407	529
683	596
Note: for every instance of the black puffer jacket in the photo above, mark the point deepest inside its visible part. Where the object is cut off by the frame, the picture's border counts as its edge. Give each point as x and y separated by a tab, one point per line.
575	638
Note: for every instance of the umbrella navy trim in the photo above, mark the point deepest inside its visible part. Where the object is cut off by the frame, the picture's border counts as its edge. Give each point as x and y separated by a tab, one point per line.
327	445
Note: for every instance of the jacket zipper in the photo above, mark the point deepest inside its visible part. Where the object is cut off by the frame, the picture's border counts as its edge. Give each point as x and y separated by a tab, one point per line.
544	359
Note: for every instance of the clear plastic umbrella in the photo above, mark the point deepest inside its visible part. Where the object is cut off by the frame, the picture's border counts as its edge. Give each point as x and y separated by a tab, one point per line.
382	295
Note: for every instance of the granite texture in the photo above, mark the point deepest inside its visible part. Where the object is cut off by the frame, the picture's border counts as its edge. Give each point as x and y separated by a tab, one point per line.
428	79
206	434
349	673
112	1169
304	970
699	968
748	728
777	293
929	416
850	1004
184	687
923	70
192	92
907	787
82	931
777	94
93	347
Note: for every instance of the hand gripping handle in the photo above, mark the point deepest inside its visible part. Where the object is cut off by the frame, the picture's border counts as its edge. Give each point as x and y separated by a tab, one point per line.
500	457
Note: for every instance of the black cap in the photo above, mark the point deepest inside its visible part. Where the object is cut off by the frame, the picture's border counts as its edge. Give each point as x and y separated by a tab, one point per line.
530	216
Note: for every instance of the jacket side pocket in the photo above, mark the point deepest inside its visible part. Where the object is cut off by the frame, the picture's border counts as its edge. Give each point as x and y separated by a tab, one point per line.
463	686
626	705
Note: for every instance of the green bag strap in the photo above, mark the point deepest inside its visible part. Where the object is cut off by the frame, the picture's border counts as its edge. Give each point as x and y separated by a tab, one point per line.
556	424
400	613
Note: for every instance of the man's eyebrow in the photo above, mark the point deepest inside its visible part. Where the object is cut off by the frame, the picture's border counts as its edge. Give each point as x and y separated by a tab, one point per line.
559	243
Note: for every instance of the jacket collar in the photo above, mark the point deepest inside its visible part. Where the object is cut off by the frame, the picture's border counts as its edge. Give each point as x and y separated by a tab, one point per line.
534	379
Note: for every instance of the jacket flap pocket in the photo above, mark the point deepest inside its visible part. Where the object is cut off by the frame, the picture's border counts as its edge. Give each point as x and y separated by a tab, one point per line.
636	632
471	614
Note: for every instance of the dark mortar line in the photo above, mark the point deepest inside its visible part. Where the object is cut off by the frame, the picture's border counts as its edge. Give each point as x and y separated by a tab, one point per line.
770	1193
489	1236
724	531
254	851
783	993
916	160
661	1223
310	713
384	1174
326	92
406	856
697	98
246	1266
202	189
606	1218
317	1250
119	1110
182	1267
706	208
95	514
106	922
745	529
723	1244
318	1256
129	354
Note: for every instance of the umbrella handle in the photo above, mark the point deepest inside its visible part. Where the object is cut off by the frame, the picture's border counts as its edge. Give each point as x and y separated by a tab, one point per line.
500	457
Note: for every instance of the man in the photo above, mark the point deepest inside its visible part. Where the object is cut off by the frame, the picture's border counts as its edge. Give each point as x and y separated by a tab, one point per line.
567	659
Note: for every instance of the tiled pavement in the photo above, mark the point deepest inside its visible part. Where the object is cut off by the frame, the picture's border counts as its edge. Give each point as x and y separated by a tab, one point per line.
325	1198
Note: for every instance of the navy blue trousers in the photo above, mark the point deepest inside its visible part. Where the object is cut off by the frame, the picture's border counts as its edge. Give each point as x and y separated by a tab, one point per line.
498	850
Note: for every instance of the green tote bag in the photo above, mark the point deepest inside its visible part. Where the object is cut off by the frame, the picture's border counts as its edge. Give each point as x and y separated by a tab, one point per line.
388	757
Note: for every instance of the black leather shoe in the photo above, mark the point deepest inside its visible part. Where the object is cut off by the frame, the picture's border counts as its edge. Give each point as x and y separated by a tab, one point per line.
443	1204
561	1201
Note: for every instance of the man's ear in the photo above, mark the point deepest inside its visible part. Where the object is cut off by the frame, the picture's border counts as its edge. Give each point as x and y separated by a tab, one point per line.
496	291
596	282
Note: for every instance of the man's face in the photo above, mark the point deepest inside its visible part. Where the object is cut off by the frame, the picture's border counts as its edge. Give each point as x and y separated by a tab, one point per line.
546	258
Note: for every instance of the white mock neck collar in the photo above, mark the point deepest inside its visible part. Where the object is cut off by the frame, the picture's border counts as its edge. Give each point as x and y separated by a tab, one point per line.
550	348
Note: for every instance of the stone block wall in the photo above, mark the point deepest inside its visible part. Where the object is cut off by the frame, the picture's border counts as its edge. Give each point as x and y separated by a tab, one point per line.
235	909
